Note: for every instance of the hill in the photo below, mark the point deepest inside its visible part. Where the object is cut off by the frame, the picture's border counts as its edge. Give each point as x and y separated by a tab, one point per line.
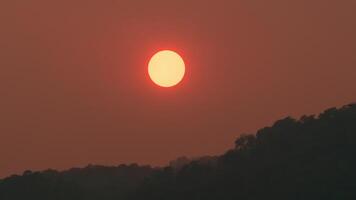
310	158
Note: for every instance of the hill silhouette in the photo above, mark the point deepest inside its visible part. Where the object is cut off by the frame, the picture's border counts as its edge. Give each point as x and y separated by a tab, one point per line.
310	158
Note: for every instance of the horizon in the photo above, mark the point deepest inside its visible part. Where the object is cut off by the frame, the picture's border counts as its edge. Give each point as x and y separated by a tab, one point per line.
190	158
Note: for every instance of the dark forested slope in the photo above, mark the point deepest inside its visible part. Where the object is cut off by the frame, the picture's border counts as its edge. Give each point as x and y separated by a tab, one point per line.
310	158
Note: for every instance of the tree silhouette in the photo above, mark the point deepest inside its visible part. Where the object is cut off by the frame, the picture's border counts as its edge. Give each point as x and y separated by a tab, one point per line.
309	158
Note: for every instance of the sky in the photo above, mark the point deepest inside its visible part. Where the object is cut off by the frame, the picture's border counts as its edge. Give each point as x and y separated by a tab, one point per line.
75	90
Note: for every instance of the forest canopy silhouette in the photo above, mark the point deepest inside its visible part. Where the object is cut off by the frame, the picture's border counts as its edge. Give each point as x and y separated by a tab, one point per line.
309	158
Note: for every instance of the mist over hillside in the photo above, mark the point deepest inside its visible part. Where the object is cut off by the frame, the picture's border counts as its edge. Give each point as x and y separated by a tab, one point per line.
310	158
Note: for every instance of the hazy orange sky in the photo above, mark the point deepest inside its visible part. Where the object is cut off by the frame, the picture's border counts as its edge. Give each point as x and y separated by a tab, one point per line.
75	90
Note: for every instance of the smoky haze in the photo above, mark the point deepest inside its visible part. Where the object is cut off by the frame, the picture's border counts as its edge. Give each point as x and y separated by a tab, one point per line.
75	90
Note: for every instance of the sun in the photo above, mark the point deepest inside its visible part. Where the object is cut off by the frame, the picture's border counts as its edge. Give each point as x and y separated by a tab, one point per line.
166	68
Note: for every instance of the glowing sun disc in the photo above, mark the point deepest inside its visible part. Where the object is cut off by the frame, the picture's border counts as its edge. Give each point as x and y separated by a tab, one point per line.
166	68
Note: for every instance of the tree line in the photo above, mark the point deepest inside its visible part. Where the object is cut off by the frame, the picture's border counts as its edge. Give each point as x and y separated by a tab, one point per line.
313	157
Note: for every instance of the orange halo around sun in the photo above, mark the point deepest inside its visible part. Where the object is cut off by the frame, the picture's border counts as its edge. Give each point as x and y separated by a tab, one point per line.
166	68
